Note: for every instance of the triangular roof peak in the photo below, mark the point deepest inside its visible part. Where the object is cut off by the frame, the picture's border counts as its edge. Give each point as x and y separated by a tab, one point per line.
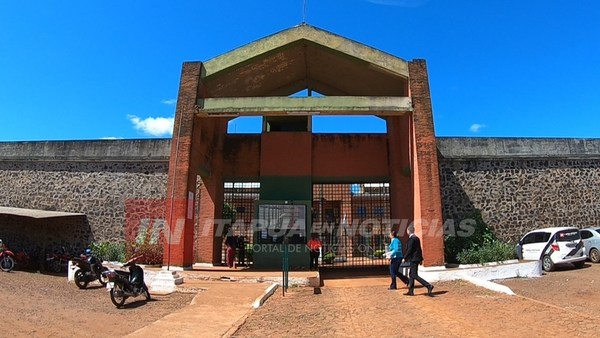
305	57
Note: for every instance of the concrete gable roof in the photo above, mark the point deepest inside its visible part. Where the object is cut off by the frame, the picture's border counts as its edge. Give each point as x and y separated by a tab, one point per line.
305	57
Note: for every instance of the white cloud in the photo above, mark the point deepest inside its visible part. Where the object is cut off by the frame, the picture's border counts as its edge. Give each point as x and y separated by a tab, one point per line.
476	127
169	102
112	138
400	3
154	126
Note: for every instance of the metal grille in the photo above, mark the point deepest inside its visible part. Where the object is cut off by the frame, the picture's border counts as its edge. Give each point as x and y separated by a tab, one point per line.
238	206
353	221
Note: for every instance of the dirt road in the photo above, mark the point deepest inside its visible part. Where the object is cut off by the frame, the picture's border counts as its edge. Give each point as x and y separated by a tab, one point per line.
39	305
363	308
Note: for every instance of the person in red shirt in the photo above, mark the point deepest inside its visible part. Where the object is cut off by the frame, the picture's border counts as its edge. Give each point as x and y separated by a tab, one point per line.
314	246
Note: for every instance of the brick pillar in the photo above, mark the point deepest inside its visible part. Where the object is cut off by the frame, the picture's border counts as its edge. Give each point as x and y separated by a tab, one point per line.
181	184
211	206
213	131
426	181
401	189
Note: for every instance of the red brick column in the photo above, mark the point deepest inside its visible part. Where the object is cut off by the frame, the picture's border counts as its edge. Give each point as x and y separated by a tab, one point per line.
181	184
426	182
401	193
209	135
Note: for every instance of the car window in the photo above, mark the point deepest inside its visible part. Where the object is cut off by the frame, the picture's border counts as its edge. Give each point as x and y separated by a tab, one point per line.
567	235
530	238
598	231
586	234
545	238
536	237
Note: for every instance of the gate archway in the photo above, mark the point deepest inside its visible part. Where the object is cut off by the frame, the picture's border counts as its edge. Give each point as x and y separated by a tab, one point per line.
287	158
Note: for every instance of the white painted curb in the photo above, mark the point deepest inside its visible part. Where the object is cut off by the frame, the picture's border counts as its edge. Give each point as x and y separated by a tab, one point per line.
489	285
268	293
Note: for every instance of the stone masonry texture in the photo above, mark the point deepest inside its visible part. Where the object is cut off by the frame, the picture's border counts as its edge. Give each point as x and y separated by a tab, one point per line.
98	189
518	184
516	196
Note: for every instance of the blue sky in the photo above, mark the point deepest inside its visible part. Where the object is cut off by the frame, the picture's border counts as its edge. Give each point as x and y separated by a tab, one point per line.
110	69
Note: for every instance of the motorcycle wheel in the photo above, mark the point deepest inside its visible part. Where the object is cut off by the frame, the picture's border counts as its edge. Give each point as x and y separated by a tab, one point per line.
7	263
146	292
117	296
80	279
102	278
55	266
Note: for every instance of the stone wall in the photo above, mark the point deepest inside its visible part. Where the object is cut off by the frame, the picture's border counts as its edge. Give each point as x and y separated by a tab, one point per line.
521	184
518	184
96	178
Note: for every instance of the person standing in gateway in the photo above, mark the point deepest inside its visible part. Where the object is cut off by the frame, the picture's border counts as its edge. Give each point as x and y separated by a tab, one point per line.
414	256
314	246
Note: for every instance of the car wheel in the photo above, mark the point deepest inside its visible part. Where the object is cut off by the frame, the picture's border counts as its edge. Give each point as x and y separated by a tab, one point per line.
595	255
547	264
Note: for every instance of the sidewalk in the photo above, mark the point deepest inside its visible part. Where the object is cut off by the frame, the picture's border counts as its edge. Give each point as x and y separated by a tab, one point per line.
224	300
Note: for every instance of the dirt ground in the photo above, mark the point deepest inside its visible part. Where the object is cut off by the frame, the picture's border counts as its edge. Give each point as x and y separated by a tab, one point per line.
576	290
564	302
42	305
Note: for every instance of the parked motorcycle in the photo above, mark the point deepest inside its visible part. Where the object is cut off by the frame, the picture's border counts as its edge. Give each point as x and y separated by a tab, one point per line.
90	269
58	261
27	260
7	258
123	284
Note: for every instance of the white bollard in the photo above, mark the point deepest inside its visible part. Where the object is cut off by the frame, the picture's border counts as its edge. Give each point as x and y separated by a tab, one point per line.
71	268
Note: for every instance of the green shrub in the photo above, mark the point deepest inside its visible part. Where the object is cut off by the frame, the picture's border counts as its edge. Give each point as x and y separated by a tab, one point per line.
147	245
379	253
482	235
329	257
152	253
109	251
249	252
495	251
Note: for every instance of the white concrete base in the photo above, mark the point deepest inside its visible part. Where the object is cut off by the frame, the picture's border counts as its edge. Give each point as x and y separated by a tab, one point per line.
483	275
268	292
201	265
71	268
165	282
489	285
488	272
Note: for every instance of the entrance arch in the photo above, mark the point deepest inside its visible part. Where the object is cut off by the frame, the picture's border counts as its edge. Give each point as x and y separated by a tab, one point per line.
287	158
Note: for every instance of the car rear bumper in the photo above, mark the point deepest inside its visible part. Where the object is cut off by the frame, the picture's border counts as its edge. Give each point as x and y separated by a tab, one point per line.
571	260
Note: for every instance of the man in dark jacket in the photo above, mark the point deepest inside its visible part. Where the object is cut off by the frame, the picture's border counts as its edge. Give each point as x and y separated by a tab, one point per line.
414	256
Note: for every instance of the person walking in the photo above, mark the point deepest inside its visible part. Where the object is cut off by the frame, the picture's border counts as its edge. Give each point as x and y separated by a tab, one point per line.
394	254
414	256
314	246
231	243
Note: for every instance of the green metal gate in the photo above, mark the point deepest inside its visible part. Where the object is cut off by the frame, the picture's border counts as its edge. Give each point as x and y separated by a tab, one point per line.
239	199
353	222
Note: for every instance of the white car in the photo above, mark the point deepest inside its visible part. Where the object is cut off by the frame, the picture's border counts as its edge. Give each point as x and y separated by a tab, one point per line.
591	241
553	246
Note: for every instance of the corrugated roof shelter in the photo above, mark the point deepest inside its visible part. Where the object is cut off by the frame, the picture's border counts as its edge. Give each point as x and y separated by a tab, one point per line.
36	213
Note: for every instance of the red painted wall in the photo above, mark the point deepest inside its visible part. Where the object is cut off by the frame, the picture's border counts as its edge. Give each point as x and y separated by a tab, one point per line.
350	155
285	154
241	156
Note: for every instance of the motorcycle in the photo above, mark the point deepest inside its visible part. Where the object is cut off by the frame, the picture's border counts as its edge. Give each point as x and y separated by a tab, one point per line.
90	269
7	258
27	261
58	261
122	284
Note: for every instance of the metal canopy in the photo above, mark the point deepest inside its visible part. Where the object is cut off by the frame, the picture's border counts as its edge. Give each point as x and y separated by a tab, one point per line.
35	213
